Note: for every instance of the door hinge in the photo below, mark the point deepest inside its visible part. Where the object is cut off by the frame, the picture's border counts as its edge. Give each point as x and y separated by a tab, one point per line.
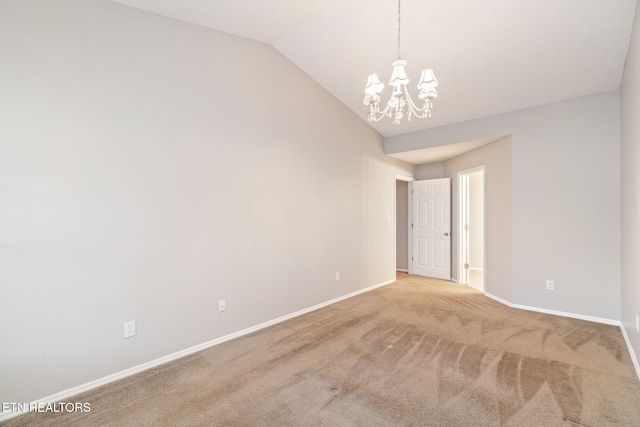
466	266
466	226
411	225
411	258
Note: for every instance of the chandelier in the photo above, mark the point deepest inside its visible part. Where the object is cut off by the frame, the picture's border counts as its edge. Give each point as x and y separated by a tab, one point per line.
400	96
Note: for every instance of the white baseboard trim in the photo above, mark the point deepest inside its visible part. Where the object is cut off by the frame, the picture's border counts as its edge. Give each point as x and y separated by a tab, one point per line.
555	312
634	359
64	395
454	280
618	323
403	270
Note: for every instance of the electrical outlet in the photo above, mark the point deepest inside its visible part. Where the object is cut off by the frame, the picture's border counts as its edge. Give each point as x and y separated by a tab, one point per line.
551	286
222	306
337	277
637	323
129	329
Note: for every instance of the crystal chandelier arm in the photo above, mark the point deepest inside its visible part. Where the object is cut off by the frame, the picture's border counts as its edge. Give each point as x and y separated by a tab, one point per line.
421	113
375	110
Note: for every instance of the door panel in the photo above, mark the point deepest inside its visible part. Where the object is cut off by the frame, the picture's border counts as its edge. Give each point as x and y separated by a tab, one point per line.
423	252
432	228
439	213
423	214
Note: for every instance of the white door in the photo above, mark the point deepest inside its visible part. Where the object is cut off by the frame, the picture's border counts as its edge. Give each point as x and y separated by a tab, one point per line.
432	228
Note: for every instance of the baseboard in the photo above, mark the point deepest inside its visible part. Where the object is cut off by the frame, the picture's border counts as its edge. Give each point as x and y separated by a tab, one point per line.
402	270
618	323
634	359
555	312
64	395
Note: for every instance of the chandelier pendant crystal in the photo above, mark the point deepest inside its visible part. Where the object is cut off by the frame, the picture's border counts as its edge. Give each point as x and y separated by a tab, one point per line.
400	98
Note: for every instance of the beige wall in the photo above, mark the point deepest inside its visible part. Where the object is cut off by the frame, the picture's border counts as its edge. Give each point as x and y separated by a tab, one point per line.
430	171
630	171
142	166
402	224
566	198
496	157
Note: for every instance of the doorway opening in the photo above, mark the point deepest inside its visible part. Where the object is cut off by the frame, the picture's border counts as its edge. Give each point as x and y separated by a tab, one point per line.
403	212
471	227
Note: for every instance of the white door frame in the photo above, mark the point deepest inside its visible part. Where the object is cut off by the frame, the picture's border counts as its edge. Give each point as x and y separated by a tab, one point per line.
395	231
462	233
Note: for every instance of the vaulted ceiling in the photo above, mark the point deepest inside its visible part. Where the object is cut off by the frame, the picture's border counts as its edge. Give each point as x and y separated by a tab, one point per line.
490	56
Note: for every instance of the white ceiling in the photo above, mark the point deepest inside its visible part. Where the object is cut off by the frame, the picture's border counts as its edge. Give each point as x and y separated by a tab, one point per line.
490	56
441	153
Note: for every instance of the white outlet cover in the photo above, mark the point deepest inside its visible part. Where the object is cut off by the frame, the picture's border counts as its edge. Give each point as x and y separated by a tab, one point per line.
129	329
337	277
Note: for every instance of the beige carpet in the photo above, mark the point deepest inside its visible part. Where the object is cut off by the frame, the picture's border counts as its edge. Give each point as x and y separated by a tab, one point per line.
419	352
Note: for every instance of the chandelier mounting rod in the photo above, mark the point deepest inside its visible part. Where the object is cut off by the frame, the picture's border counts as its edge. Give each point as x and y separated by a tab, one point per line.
399	29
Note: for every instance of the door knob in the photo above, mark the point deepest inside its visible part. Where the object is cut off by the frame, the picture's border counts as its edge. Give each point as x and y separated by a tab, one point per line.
446	234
